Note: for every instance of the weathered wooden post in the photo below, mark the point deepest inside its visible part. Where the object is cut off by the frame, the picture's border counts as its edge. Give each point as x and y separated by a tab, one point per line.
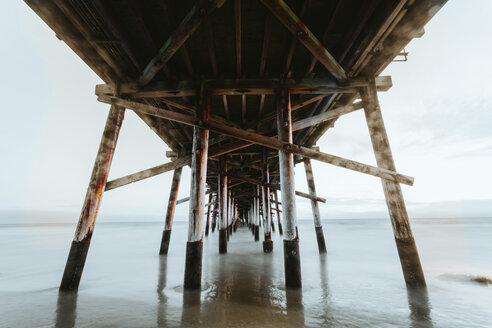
85	226
314	206
228	215
199	155
405	243
252	215
257	213
235	217
292	260
171	205
222	183
267	243
214	215
207	224
231	212
280	230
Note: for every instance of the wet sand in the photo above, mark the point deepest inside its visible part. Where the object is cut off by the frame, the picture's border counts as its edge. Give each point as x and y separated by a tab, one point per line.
357	284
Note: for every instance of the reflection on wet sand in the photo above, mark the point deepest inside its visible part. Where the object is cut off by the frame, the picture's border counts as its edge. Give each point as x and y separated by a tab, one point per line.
327	316
420	310
161	296
191	308
66	309
244	294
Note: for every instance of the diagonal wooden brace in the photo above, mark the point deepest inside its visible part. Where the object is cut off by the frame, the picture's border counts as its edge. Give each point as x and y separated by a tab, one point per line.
259	139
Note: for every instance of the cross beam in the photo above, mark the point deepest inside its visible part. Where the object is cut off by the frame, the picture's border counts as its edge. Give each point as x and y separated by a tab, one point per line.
259	139
172	89
180	162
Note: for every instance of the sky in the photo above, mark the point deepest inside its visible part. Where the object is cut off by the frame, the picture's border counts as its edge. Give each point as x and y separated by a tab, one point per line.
437	114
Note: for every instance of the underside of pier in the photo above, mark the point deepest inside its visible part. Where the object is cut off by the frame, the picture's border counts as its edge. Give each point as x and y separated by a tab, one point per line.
241	91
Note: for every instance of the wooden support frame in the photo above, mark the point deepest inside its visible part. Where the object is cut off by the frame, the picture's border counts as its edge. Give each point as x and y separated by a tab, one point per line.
196	224
171	205
292	260
405	243
222	192
279	222
256	138
180	162
209	209
265	192
261	86
85	226
320	237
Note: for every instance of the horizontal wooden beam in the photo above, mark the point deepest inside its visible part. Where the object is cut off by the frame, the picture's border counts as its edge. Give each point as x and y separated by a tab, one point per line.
180	162
226	87
141	175
259	139
290	20
326	116
189	24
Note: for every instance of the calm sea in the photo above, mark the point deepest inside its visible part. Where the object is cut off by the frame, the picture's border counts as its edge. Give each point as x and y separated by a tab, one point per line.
357	284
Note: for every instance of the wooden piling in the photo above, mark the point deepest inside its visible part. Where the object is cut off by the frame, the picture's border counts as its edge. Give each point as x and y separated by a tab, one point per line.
215	211
194	247
257	212
320	237
267	243
405	243
171	205
280	230
222	183
230	214
207	224
85	226
292	260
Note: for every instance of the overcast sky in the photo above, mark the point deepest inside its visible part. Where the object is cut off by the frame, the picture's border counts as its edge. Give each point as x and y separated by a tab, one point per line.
438	116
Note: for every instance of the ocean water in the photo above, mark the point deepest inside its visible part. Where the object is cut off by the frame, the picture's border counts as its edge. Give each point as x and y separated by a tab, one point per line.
358	283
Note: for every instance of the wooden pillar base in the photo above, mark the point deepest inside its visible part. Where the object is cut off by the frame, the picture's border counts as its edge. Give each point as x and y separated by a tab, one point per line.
410	262
166	237
75	264
206	230
257	233
273	227
267	245
222	241
292	264
193	266
280	230
227	234
321	240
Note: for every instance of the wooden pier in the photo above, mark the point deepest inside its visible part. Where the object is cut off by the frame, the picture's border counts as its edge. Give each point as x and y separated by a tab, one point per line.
241	91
